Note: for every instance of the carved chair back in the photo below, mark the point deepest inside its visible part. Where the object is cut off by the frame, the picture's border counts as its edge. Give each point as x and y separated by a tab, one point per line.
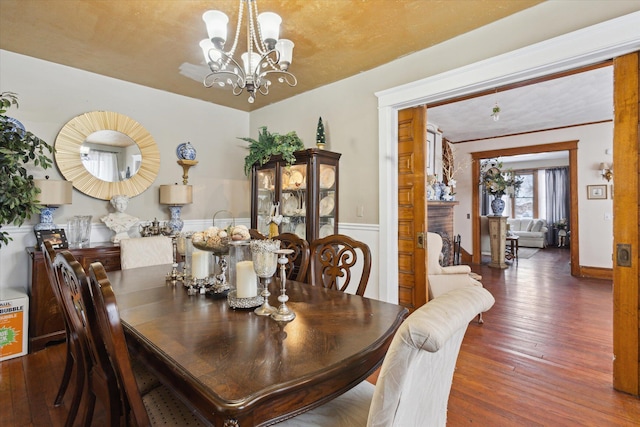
334	261
49	255
109	327
93	365
298	260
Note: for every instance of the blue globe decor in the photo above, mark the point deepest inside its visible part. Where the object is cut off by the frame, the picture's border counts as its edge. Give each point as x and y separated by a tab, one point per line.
185	151
497	205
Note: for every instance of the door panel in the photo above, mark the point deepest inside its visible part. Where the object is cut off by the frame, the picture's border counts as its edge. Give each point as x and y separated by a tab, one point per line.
412	207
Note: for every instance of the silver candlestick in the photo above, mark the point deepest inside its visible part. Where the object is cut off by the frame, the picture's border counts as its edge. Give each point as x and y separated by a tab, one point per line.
283	313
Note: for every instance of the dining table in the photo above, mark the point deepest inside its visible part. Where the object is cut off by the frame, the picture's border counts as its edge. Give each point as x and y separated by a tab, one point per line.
236	368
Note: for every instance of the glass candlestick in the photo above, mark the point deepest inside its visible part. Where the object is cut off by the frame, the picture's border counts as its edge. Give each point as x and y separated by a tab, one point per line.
283	313
265	263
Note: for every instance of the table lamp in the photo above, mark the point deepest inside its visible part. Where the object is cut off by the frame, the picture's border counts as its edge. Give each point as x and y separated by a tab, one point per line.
53	193
176	196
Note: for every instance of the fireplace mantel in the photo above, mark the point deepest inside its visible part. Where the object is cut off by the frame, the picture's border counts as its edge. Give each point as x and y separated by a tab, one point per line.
440	220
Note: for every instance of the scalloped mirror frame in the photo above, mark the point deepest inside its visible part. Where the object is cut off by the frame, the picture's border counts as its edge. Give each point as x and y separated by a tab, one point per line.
76	131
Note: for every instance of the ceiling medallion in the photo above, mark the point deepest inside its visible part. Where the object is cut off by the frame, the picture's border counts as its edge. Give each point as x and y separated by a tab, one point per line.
267	56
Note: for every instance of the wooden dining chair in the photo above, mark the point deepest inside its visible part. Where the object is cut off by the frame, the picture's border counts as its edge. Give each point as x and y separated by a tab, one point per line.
72	352
256	235
94	375
335	259
145	252
156	407
416	375
298	260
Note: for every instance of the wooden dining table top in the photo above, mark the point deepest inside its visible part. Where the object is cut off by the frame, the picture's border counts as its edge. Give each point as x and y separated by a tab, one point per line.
240	369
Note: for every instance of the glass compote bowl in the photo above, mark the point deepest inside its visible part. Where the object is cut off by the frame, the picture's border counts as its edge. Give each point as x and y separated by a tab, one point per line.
265	263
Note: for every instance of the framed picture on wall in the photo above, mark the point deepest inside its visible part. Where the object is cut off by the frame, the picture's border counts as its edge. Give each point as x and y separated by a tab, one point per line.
56	236
596	192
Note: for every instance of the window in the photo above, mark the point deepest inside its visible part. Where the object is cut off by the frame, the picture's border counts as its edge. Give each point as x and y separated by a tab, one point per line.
525	204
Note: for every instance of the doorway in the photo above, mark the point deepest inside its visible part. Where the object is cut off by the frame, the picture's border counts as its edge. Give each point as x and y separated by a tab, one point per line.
586	46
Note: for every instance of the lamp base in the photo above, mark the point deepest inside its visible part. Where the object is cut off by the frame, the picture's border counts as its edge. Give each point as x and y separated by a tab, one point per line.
175	223
46	219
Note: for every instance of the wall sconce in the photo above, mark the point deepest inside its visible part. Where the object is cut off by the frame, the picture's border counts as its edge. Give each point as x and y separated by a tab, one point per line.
606	171
176	196
53	193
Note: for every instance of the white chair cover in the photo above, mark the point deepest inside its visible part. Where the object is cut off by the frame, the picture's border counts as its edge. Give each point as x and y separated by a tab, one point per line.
415	379
145	251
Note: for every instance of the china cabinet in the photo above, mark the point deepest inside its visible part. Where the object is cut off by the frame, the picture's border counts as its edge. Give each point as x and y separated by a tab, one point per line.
305	194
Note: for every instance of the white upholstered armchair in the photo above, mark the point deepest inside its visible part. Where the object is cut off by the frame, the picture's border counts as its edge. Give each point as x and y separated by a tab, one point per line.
443	279
416	375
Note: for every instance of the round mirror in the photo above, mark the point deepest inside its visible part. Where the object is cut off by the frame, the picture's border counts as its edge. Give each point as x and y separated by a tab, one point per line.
105	153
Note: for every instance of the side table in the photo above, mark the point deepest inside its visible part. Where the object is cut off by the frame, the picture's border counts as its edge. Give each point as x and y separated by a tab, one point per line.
512	253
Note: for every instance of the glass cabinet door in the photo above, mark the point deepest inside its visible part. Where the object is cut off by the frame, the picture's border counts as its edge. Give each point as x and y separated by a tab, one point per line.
294	200
266	180
327	205
305	194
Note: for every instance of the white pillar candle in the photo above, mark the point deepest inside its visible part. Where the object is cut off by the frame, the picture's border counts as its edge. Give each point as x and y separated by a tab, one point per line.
246	280
200	264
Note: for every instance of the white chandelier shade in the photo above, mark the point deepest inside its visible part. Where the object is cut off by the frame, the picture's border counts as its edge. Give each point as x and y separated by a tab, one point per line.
267	55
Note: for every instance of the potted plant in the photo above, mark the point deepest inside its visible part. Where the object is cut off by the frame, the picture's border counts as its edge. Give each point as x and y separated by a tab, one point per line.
270	144
19	149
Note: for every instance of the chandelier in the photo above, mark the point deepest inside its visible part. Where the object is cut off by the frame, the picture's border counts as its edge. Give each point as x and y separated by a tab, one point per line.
267	57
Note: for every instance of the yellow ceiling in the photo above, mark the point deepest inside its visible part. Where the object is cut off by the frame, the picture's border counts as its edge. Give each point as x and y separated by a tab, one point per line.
146	41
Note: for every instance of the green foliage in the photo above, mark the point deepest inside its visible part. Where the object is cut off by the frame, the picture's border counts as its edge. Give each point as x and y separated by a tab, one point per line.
18	148
271	144
498	182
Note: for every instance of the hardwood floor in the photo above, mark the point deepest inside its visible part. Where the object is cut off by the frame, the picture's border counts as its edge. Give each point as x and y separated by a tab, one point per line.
544	354
542	358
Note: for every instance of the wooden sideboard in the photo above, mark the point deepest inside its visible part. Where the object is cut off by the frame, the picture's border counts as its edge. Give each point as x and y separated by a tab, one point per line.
45	316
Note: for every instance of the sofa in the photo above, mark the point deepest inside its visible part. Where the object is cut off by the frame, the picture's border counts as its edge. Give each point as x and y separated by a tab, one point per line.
532	232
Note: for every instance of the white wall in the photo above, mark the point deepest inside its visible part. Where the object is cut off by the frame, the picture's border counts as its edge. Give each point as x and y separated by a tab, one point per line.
596	232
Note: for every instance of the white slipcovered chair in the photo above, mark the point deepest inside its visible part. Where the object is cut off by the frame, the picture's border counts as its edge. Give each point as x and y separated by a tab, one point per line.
145	252
443	279
416	375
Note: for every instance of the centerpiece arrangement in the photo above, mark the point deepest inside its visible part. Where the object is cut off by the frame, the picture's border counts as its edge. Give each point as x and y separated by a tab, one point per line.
498	183
217	241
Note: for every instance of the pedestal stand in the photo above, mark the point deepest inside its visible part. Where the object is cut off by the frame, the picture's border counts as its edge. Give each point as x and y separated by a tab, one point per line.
497	235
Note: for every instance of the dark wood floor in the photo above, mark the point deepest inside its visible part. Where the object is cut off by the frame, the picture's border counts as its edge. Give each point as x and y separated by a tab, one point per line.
543	357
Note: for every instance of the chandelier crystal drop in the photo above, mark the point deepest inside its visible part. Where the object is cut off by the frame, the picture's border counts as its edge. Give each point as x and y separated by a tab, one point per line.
268	57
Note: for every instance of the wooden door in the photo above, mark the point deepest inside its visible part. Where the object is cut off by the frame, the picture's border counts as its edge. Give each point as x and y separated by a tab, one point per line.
412	207
626	321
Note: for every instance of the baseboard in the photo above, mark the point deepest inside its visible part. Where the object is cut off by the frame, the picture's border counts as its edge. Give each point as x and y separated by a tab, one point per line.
596	272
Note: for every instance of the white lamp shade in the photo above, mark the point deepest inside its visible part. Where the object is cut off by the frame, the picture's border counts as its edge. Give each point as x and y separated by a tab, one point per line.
216	23
250	68
269	26
285	48
176	195
54	192
209	55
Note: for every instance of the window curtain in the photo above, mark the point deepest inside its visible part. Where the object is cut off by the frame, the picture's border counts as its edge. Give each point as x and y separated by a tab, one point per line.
558	199
102	165
485	202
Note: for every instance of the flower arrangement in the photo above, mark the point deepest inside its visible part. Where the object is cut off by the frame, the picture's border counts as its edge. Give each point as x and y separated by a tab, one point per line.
498	182
561	224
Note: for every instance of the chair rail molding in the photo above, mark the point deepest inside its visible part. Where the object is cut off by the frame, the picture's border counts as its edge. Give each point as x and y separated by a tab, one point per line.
589	45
